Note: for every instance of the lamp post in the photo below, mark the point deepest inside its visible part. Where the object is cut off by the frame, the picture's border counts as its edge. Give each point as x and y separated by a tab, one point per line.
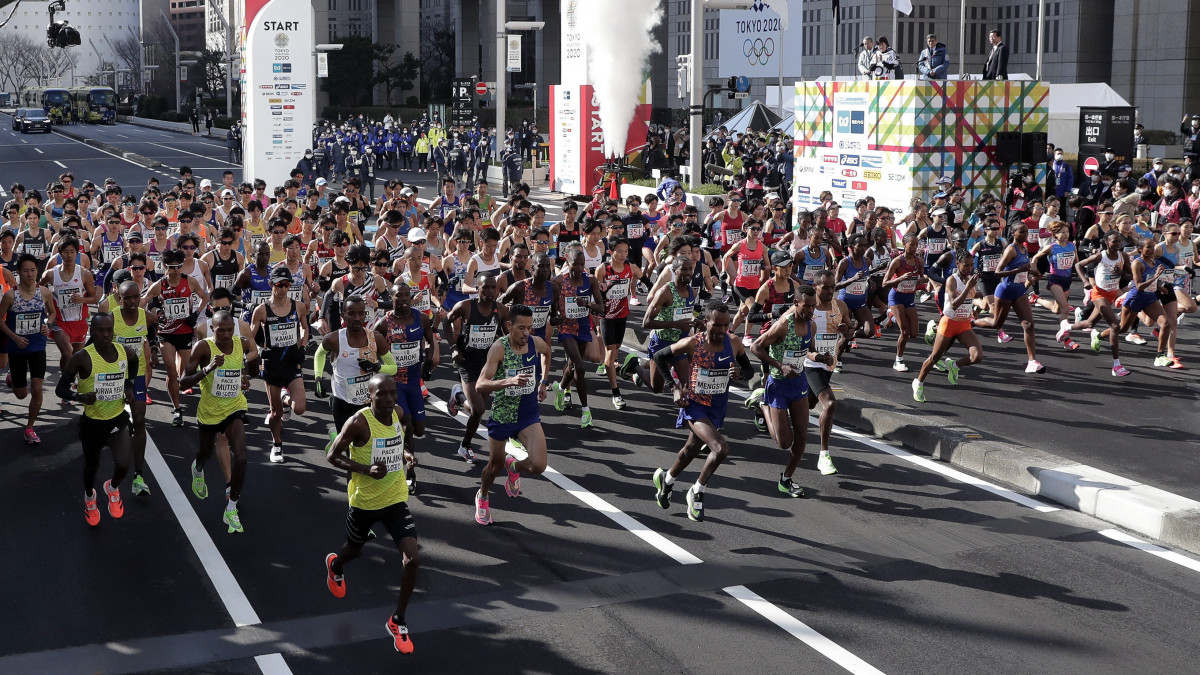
502	28
322	48
175	36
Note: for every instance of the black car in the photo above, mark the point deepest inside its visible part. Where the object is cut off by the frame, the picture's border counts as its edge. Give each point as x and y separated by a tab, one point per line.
16	124
34	119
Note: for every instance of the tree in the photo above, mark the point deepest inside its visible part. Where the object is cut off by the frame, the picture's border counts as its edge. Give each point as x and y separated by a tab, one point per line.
44	65
212	64
102	76
129	56
13	70
393	75
348	80
437	59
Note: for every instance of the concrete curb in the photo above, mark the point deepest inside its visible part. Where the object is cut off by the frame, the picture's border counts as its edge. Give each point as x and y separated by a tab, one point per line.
184	128
1143	509
131	156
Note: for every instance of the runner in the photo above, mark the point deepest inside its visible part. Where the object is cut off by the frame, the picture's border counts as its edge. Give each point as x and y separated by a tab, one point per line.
472	326
221	365
1013	268
179	315
540	294
955	325
409	333
903	274
224	262
105	370
832	329
74	290
280	328
783	403
370	447
254	281
28	311
516	369
706	362
581	299
358	354
749	268
137	329
670	311
1061	253
853	275
617	280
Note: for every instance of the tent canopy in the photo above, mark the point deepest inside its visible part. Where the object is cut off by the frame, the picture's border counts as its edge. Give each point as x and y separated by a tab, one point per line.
1063	105
754	117
787	125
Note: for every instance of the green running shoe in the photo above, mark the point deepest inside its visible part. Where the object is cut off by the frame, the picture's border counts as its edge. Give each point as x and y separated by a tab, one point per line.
760	421
139	487
930	331
628	366
585	420
663	491
602	369
789	487
232	520
1095	340
560	397
695	504
918	391
199	487
755	398
951	370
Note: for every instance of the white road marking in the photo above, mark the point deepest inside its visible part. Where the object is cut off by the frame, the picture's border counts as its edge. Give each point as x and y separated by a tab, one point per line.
39	151
122	136
230	592
60	164
105	152
802	631
272	664
1165	554
186	152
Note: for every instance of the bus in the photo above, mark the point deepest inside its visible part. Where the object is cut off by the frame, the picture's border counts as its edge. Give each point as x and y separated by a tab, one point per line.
95	104
5	99
55	101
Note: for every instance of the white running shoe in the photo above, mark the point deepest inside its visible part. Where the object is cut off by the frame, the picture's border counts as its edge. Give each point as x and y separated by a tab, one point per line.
1064	331
825	465
276	454
1135	339
899	366
1035	367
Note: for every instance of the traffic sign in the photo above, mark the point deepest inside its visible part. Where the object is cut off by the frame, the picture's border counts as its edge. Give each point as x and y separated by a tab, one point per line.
461	90
481	88
741	94
741	84
1091	165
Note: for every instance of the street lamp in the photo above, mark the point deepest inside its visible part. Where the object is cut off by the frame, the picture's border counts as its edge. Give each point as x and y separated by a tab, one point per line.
318	50
502	28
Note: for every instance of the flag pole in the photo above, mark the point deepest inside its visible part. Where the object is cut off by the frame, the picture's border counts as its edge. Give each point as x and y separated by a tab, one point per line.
1041	43
833	32
962	40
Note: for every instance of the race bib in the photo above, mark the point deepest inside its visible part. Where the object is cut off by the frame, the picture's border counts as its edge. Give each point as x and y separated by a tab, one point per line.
961	312
811	271
541	314
133	343
1064	261
63	297
227	382
619	290
295	293
907	286
990	263
421	301
111	252
576	307
826	342
636	230
356	388
1107	279
224	280
935	246
481	337
109	386
681	313
177	309
750	268
284	334
390	451
29	323
154	259
1021	278
407	354
1034	236
259	298
525	389
857	288
36	250
733	236
793	357
712	381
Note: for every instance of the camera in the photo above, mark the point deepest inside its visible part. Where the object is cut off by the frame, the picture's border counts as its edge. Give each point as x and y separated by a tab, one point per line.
61	33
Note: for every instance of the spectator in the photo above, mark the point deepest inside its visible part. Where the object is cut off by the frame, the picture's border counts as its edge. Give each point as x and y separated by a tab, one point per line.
194	116
308	167
231	142
1139	135
1155	173
1064	177
934	64
1191	136
209	119
996	67
513	167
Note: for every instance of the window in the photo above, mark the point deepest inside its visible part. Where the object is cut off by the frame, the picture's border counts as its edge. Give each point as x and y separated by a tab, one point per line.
333	5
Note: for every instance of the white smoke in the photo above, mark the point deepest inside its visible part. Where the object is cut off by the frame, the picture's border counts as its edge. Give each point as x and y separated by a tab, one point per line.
620	40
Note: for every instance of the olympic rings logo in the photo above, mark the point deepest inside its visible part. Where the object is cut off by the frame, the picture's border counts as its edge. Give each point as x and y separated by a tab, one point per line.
758	51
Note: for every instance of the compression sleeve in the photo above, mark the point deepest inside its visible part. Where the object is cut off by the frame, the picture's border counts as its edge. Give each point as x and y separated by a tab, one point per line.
389	363
319	361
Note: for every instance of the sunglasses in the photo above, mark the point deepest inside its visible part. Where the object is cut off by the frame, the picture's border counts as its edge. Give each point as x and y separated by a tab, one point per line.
227	242
135	268
379	264
160	228
282	282
174	267
237	229
359	268
756	229
227	199
147	213
188	248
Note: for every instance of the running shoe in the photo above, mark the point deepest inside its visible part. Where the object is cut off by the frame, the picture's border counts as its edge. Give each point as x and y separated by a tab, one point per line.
467	454
755	399
1136	339
199	487
399	633
560	397
602	369
512	486
1095	340
90	513
1176	364
1064	331
695	504
335	582
899	366
1033	298
918	391
633	300
925	297
116	508
139	487
410	478
627	366
618	402
951	370
1154	332
516	443
1078	314
1034	367
452	403
424	390
585	419
1003	337
177	417
1119	371
188	392
286	399
276	454
937	365
483	513
636	379
930	331
1161	361
662	493
747	341
837	368
31	436
231	519
825	464
760	421
1070	344
878	331
854	344
789	487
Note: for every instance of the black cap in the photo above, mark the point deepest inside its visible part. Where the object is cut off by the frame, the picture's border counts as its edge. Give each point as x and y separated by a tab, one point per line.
134	235
281	272
780	258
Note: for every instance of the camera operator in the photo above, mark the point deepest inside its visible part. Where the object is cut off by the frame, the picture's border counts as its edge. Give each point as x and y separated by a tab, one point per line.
1022	192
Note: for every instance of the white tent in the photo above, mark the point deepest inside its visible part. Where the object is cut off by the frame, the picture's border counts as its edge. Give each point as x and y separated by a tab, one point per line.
787	125
1064	103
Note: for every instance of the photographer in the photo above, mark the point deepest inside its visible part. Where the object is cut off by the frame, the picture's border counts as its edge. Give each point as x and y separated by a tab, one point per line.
1022	192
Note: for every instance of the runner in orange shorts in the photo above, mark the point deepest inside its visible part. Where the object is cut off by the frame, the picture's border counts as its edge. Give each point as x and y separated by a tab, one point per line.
955	325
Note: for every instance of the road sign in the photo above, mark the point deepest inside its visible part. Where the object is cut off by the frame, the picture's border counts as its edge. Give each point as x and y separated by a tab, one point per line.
460	90
1091	165
741	84
741	94
481	88
183	73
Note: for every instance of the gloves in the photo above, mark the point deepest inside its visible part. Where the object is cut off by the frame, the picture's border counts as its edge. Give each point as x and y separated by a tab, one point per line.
368	366
322	392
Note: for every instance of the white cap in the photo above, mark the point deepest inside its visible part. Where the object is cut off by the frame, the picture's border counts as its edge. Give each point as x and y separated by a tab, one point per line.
227	193
406	192
321	181
944	180
939	211
417	234
206	183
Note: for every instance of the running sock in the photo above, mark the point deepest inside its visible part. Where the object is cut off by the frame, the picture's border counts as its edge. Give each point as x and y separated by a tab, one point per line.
231	505
669	480
1116	363
698	487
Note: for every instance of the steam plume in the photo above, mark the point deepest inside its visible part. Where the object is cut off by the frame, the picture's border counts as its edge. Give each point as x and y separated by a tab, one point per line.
620	40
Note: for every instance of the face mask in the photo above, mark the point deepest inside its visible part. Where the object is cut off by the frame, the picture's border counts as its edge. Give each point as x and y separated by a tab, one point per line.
1107	183
308	155
1058	157
1028	180
1168	193
1142	191
1196	189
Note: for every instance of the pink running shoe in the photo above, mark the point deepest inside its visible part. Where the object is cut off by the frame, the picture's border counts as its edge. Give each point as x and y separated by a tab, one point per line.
31	436
512	486
1003	337
1119	371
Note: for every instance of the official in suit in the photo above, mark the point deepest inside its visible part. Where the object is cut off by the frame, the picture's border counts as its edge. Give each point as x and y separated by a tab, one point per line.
996	67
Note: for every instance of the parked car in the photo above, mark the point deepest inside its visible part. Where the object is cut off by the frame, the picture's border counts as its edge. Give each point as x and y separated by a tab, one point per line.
34	119
16	124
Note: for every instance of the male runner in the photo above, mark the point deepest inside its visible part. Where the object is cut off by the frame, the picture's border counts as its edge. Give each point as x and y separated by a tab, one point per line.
371	448
137	329
28	312
831	320
281	328
358	354
472	326
410	338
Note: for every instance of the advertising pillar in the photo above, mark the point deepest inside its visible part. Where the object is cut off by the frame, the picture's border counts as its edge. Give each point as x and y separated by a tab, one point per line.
278	86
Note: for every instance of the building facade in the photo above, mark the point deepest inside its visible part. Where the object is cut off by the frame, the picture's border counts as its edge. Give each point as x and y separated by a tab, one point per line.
95	20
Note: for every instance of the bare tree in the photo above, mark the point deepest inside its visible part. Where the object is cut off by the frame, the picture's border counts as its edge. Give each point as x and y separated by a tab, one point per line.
437	56
129	55
13	72
45	65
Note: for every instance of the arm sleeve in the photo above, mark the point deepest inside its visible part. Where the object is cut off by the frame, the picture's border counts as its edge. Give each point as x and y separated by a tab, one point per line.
389	363
319	361
63	388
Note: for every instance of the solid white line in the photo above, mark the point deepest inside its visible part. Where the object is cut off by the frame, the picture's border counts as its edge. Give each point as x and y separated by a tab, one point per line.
103	151
802	631
236	602
60	164
186	152
122	136
1165	554
273	664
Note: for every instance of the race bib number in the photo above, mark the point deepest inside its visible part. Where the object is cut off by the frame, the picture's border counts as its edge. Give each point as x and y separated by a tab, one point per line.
356	388
227	382
259	298
284	334
1064	261
111	252
177	309
406	354
793	357
29	323
36	250
681	313
990	263
1021	278
712	381
63	297
1107	279
811	271
907	286
857	288
295	293
636	230
1034	236
421	302
619	290
224	280
389	451
935	246
826	342
750	268
109	386
733	236
522	390
541	314
576	307
255	239
481	337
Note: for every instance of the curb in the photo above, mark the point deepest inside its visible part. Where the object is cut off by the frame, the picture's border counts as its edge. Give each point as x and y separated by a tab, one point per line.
1143	509
131	156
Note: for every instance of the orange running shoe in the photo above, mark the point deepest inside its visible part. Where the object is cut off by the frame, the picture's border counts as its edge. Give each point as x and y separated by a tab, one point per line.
90	513
116	508
399	633
335	582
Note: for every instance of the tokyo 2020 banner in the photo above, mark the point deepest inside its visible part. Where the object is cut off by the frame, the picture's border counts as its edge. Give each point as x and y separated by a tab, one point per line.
750	41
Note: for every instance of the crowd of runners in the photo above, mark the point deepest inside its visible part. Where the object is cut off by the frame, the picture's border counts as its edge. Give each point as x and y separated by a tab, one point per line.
211	286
